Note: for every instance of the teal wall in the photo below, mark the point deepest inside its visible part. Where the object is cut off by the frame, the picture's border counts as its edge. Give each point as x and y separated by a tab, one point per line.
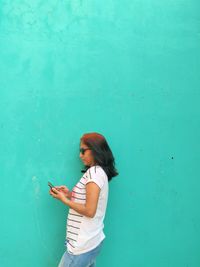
129	70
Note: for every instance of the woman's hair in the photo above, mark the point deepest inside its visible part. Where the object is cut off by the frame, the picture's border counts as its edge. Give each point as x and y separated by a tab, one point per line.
101	152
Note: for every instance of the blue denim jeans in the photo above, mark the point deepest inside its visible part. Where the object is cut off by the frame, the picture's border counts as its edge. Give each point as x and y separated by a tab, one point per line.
83	260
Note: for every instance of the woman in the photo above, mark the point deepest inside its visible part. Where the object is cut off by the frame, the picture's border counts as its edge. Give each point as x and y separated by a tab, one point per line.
87	202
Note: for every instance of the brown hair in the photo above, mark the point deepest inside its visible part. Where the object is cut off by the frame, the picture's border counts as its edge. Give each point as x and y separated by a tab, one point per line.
101	152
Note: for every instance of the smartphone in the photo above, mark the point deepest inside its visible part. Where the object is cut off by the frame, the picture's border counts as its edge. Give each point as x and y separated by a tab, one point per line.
50	185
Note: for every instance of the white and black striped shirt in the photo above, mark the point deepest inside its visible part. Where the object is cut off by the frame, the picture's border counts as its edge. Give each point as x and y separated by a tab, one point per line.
84	233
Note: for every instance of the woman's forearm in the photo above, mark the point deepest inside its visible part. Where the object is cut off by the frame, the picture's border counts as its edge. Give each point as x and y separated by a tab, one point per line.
80	208
88	208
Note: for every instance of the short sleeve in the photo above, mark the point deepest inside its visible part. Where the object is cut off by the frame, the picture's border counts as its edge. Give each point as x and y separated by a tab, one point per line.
95	174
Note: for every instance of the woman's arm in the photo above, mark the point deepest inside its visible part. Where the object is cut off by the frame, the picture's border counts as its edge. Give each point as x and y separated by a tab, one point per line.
89	208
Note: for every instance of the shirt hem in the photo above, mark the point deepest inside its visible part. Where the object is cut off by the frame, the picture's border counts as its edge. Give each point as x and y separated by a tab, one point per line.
84	250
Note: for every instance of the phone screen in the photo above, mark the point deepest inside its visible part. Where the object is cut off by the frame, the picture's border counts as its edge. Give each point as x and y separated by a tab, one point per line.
50	185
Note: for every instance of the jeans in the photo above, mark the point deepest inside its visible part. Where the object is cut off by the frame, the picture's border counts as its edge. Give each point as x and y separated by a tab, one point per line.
83	260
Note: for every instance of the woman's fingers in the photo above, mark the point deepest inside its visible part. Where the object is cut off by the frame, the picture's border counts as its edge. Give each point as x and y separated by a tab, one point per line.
63	187
60	187
58	192
57	187
55	191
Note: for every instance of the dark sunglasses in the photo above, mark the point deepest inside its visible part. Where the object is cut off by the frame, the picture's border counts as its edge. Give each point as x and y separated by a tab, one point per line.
82	150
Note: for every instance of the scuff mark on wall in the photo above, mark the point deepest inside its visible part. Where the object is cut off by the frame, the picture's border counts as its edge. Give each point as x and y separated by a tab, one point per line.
36	187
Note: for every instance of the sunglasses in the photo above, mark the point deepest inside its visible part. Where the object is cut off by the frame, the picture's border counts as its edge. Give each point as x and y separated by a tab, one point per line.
82	150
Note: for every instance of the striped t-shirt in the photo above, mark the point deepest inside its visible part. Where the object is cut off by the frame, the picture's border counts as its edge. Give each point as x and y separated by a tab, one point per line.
85	233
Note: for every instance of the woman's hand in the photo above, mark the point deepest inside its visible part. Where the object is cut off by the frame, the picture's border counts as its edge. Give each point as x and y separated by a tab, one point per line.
64	190
57	194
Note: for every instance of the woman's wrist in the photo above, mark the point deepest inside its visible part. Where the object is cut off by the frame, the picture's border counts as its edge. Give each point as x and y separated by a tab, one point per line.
65	200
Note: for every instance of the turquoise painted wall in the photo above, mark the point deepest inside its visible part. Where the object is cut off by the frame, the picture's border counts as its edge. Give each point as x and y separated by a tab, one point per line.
129	70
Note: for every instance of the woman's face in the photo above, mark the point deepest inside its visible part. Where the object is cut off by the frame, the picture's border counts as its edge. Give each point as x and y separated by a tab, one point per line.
86	155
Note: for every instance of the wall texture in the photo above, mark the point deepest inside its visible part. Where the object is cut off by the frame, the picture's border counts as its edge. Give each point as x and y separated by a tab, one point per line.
129	70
